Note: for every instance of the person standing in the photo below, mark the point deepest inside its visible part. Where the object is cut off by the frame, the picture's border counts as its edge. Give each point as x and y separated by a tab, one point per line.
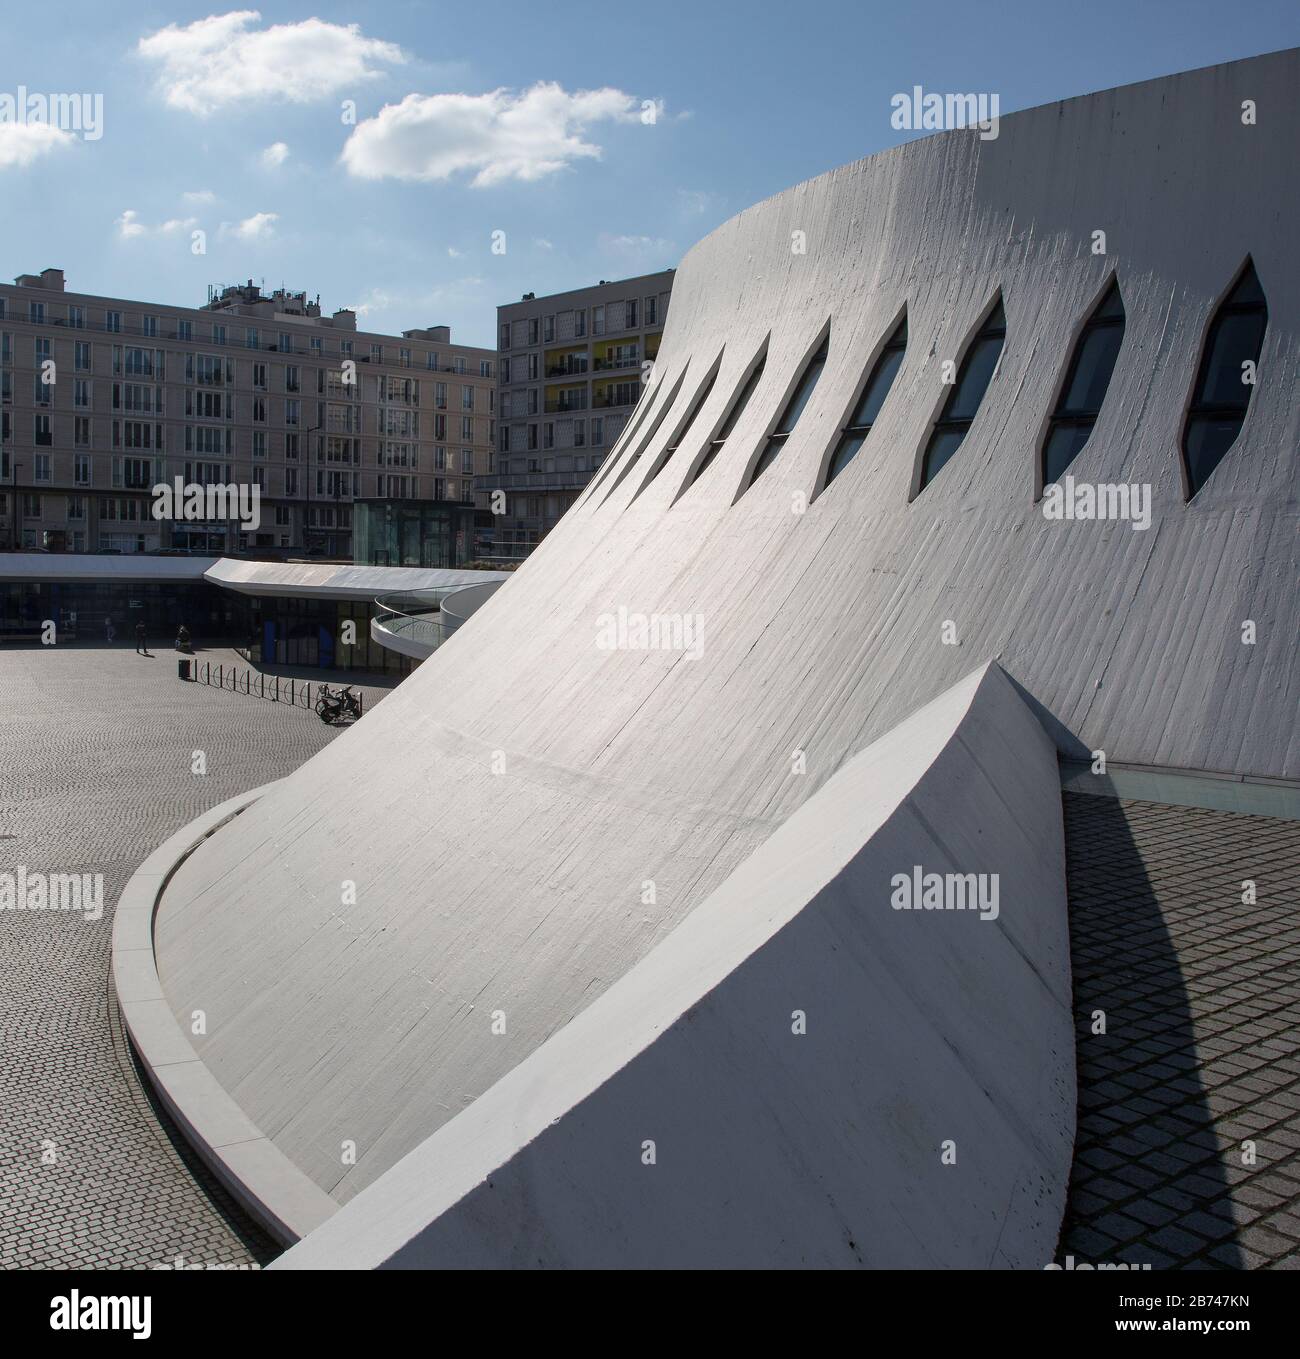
141	641
110	632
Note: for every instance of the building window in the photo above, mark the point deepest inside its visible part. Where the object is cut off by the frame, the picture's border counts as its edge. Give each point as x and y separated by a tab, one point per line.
81	431
652	311
679	436
218	334
113	322
869	403
794	409
41	467
737	410
485	368
81	356
185	330
1226	379
77	318
150	327
629	317
81	469
1086	381
36	313
251	338
964	400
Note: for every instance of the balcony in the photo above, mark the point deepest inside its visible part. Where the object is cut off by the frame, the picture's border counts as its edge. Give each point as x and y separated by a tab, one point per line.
560	370
567	407
533	481
609	365
610	400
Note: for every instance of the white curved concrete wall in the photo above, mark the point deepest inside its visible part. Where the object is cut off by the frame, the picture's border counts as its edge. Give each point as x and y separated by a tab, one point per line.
777	1148
501	811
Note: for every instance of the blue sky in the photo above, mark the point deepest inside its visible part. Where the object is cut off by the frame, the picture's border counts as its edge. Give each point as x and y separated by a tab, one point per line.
653	124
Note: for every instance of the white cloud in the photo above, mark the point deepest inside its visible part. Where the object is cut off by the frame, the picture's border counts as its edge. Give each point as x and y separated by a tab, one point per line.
275	155
453	253
634	246
416	304
694	202
22	143
223	60
497	137
255	228
543	244
200	196
130	227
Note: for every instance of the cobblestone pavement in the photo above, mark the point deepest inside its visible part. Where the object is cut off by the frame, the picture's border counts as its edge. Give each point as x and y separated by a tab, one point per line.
95	772
1201	1054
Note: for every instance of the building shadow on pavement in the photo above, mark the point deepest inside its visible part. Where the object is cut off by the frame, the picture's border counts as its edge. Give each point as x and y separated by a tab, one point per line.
1149	1184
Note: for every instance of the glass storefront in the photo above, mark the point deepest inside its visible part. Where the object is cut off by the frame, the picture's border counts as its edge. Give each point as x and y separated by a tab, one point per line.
81	611
328	634
432	533
316	632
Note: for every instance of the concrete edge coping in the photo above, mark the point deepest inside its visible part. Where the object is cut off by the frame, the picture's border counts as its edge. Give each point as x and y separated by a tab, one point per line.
1238	793
286	1202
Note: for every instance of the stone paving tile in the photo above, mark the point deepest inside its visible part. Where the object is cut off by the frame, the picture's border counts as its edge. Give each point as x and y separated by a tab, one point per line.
1201	1053
95	772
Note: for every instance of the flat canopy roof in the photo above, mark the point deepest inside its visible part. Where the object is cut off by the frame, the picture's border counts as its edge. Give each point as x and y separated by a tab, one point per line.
304	580
329	580
131	568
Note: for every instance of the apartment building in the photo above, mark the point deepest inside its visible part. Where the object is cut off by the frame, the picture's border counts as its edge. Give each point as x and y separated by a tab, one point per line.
103	398
571	369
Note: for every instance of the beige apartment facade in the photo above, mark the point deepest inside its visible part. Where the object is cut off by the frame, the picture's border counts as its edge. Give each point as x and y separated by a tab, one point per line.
102	399
572	367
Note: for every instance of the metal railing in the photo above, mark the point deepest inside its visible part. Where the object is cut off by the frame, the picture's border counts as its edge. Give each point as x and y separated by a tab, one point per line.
239	680
413	619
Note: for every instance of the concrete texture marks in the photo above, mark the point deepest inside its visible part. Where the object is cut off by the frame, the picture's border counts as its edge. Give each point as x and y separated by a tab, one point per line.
886	1085
608	769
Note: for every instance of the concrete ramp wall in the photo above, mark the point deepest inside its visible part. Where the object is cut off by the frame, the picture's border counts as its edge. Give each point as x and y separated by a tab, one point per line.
683	1121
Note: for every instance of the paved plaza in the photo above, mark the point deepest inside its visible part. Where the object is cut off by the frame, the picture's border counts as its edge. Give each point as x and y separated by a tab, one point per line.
1201	1055
96	756
1201	993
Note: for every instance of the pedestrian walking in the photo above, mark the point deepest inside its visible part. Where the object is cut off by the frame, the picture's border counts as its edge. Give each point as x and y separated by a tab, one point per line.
110	632
141	641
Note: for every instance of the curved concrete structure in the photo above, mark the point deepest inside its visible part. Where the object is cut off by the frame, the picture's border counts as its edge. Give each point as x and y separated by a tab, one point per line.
261	1177
919	1112
555	792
